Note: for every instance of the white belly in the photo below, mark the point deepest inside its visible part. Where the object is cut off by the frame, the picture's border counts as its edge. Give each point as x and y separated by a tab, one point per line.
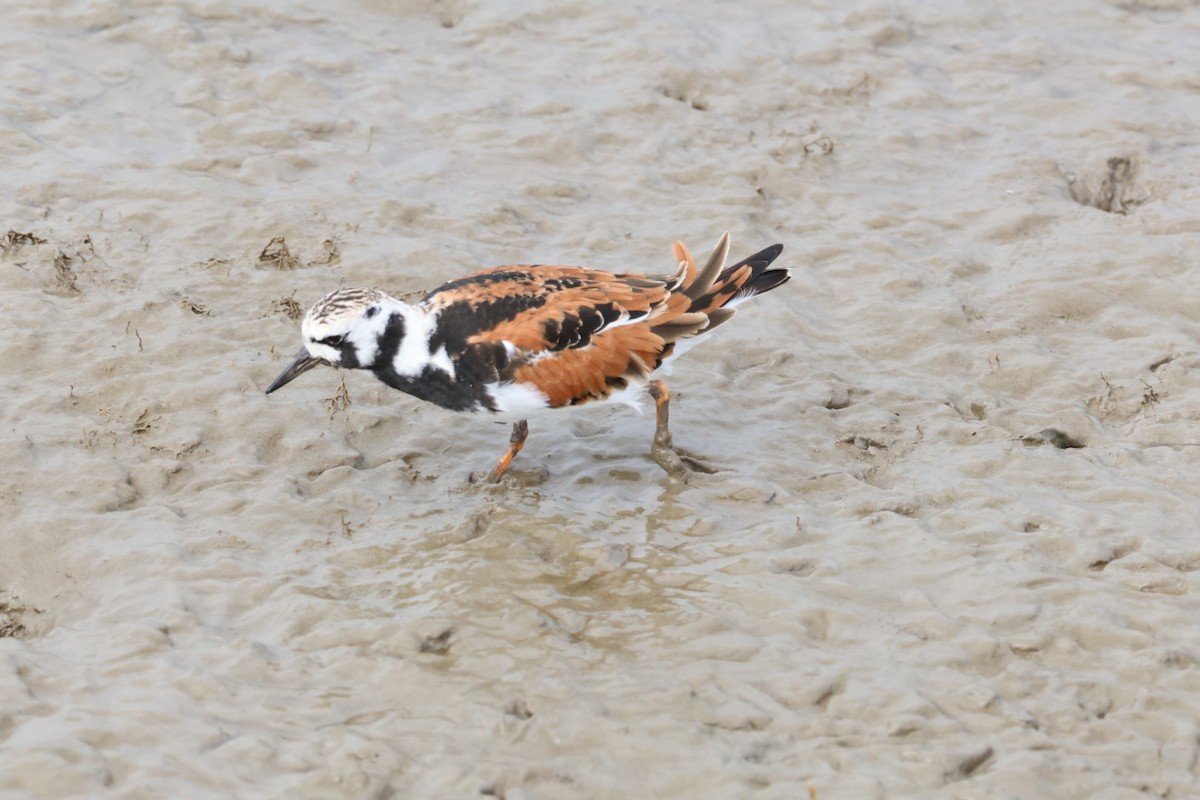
517	401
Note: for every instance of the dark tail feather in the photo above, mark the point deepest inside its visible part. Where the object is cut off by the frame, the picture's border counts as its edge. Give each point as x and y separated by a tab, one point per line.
758	262
761	279
765	282
721	290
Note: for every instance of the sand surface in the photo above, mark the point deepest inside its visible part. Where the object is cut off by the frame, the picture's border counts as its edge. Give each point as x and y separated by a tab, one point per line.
952	550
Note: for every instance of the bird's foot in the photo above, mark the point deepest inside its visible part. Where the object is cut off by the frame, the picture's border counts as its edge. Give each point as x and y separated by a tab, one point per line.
516	441
677	462
525	477
482	477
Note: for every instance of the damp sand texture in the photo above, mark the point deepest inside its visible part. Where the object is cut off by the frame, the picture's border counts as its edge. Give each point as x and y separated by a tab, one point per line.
951	550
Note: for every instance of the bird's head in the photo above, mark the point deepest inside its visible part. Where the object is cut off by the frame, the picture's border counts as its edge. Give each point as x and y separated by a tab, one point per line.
343	329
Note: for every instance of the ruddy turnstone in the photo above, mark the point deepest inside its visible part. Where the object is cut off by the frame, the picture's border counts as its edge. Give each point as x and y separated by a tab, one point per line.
511	341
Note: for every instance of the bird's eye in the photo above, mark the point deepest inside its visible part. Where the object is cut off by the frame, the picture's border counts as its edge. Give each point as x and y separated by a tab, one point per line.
334	341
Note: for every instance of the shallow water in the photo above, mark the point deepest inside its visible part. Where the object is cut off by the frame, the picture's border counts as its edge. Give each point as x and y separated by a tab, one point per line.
899	584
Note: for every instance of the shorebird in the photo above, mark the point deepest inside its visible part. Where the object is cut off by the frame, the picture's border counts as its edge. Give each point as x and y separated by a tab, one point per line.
508	342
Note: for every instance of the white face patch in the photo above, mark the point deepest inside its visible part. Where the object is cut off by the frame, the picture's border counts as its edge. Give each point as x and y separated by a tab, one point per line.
351	323
323	352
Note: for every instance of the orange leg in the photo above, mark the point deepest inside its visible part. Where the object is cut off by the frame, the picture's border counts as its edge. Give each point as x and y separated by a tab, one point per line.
677	462
516	441
662	413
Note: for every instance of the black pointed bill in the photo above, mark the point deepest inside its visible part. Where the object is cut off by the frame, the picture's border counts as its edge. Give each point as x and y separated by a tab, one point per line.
302	364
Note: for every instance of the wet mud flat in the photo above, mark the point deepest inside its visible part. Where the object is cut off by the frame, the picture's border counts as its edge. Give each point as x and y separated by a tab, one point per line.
948	547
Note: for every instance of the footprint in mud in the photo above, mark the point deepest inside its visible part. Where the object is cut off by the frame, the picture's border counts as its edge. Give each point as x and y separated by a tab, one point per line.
1054	437
1114	191
438	644
12	616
